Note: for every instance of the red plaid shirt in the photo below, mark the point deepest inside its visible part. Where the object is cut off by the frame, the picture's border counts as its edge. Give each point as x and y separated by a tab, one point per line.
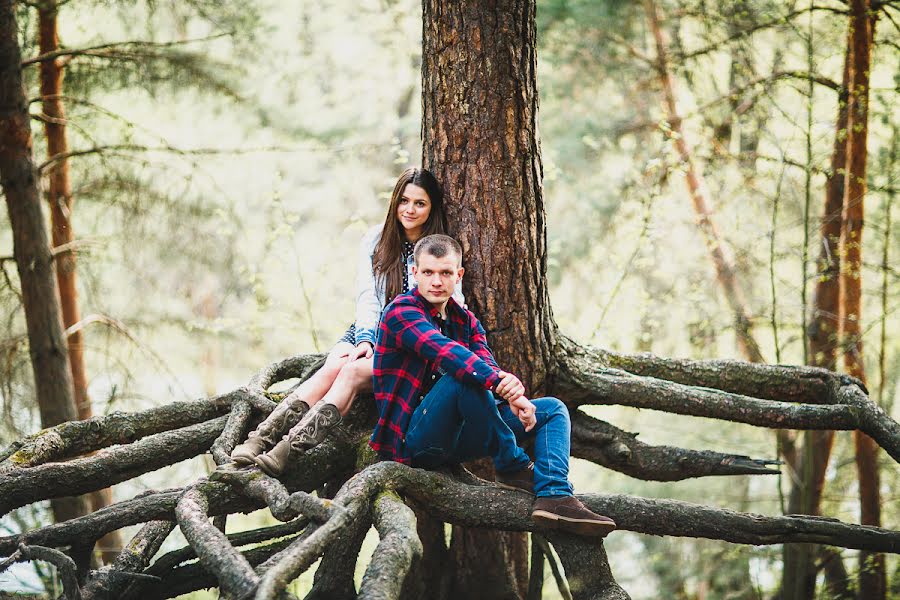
410	348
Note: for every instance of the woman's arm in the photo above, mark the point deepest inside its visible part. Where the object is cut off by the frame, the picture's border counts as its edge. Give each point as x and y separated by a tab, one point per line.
368	302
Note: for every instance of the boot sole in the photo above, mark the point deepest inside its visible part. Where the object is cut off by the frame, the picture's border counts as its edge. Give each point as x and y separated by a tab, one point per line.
510	486
265	468
245	460
585	527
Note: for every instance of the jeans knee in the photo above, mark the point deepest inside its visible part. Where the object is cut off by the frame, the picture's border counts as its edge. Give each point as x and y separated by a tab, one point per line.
554	407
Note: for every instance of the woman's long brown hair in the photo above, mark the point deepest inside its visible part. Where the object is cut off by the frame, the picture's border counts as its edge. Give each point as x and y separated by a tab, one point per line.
386	264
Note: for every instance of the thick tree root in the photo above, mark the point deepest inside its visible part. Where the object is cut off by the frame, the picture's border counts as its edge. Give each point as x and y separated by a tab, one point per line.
113	581
54	480
399	546
234	574
587	568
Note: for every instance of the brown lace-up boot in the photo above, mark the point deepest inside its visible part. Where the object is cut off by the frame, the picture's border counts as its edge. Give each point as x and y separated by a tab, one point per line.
288	413
569	514
309	432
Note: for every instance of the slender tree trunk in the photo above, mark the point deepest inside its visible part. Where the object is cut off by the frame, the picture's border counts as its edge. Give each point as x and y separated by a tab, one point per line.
480	138
725	271
872	578
40	296
59	196
799	578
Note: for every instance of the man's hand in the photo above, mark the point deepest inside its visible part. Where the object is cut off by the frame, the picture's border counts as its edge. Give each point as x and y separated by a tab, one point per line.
509	387
524	409
362	350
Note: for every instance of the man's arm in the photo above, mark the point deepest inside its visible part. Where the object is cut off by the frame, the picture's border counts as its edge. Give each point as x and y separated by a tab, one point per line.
415	333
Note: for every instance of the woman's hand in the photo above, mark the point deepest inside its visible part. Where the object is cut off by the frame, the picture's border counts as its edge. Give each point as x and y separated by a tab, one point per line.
362	350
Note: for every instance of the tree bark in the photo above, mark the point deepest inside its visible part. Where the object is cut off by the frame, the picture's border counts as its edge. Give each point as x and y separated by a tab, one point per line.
872	576
59	197
34	261
480	138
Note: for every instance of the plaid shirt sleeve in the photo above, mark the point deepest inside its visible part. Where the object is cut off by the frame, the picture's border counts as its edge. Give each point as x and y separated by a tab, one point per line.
415	333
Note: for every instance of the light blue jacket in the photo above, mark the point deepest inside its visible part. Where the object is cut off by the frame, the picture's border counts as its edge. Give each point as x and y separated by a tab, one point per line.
370	294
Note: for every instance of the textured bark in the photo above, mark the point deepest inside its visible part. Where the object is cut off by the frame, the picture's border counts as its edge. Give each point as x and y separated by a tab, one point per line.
799	579
872	578
398	548
480	138
587	568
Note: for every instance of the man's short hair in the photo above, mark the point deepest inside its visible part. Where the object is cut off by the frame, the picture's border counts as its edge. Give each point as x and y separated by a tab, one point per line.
438	245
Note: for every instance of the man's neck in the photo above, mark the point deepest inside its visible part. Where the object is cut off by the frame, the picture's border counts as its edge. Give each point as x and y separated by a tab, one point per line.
441	308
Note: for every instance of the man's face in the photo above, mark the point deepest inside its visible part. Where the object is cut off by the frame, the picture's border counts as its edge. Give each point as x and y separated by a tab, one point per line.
437	277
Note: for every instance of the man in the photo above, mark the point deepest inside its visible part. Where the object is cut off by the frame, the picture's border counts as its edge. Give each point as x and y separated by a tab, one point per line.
434	375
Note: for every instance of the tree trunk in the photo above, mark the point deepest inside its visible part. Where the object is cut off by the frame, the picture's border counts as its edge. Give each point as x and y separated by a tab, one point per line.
872	578
59	196
480	138
799	572
34	261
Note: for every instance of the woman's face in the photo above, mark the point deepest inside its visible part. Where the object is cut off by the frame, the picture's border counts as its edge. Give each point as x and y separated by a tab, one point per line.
413	210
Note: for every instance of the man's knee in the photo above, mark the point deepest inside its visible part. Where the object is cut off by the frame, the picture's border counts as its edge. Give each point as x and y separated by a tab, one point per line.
462	390
554	407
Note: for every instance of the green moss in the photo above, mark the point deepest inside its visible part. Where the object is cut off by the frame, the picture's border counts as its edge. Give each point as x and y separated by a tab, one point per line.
365	456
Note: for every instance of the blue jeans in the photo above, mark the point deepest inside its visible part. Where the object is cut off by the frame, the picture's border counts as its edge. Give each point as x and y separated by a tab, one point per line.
458	422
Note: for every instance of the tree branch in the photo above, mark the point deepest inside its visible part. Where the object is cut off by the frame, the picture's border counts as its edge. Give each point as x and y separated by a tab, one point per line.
584	382
608	446
56	480
103	50
74	438
65	566
112	581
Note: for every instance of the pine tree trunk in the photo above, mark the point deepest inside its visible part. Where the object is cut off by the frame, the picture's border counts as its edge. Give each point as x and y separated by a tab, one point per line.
872	578
34	261
481	140
799	573
59	196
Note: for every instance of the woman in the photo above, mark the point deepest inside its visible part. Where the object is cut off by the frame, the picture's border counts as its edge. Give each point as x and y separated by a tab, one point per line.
385	270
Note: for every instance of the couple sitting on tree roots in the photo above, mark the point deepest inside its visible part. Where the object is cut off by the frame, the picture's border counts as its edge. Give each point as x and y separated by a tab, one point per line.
441	397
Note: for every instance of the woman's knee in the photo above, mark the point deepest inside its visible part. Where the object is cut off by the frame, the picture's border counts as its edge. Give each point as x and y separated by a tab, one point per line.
337	358
358	373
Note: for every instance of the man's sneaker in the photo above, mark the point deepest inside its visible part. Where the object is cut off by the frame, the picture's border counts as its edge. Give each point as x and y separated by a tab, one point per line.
569	514
523	479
